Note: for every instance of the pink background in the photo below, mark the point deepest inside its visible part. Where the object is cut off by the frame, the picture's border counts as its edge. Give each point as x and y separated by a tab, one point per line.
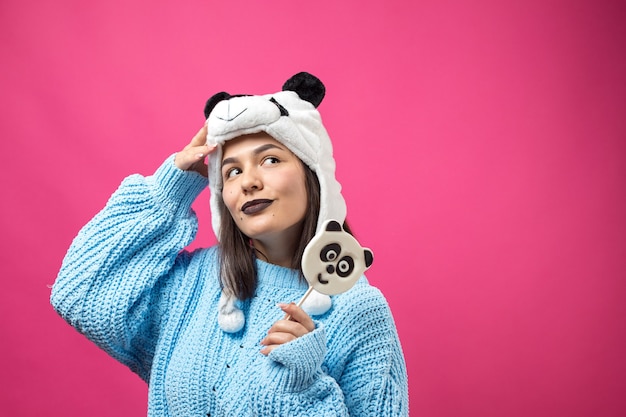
481	146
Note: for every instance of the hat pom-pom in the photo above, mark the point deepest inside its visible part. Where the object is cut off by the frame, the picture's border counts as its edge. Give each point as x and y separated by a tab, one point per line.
316	303
230	318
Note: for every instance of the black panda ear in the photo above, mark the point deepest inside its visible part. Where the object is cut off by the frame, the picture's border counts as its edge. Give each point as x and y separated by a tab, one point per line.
307	86
369	257
212	102
333	226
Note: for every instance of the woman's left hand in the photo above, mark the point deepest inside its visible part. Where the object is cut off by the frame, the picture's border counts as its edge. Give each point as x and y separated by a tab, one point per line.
284	331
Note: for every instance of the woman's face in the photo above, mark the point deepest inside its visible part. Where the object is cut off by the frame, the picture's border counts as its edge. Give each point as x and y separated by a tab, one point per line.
264	189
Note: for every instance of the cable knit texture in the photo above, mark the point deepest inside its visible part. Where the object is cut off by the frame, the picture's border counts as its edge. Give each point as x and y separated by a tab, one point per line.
127	284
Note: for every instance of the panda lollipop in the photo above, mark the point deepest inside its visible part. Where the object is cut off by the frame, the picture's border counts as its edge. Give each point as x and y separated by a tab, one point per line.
333	260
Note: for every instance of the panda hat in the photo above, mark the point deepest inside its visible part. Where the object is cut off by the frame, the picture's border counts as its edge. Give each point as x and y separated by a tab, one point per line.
289	116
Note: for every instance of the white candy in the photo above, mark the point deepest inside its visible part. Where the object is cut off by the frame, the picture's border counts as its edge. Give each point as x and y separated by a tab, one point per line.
333	261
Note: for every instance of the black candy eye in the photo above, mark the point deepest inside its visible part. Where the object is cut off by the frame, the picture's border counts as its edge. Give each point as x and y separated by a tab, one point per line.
345	266
330	252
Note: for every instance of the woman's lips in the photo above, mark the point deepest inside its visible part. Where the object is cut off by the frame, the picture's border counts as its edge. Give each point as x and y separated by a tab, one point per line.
255	206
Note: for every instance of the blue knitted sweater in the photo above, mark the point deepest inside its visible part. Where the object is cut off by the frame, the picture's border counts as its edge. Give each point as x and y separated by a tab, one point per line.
127	284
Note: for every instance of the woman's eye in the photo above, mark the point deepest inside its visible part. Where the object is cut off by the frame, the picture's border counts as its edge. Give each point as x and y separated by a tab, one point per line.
232	172
270	160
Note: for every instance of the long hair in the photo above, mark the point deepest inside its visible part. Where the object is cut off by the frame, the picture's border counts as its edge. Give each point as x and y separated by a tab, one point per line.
237	256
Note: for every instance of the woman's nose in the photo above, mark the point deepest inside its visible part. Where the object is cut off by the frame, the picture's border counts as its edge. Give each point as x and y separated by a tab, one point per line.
250	181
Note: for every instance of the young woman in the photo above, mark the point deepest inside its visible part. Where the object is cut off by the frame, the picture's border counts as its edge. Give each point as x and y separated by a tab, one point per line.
207	329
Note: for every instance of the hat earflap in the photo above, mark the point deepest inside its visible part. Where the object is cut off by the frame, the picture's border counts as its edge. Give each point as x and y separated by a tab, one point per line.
229	317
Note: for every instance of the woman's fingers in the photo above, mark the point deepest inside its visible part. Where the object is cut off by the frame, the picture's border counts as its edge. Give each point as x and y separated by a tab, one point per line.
284	331
298	315
278	338
275	339
192	157
200	138
288	326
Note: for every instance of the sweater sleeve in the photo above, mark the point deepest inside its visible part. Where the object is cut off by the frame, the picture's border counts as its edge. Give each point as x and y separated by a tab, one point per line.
119	275
292	382
373	378
368	376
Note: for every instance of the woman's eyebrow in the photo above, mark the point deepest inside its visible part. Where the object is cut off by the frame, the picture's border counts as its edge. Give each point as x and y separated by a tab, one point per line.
256	151
266	147
231	160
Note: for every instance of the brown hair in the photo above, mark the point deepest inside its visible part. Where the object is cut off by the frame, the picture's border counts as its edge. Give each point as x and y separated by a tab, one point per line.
237	256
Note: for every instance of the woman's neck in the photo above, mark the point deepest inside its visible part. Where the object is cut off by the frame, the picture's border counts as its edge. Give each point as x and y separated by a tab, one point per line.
278	249
274	254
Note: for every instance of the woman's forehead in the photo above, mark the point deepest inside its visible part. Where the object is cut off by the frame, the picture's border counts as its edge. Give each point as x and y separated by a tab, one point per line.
249	144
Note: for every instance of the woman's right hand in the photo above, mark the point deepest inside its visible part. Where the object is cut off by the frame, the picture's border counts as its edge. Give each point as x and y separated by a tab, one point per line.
193	156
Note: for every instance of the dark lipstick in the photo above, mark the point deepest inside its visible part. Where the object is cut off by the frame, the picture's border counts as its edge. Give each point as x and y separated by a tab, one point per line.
255	206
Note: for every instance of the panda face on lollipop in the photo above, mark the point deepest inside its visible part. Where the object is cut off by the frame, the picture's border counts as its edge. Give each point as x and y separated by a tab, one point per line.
333	261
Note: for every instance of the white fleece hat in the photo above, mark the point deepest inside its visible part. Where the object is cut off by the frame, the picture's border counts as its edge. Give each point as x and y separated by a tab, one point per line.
289	116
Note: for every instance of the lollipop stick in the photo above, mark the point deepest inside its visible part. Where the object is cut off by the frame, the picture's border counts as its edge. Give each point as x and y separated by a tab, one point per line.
306	294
